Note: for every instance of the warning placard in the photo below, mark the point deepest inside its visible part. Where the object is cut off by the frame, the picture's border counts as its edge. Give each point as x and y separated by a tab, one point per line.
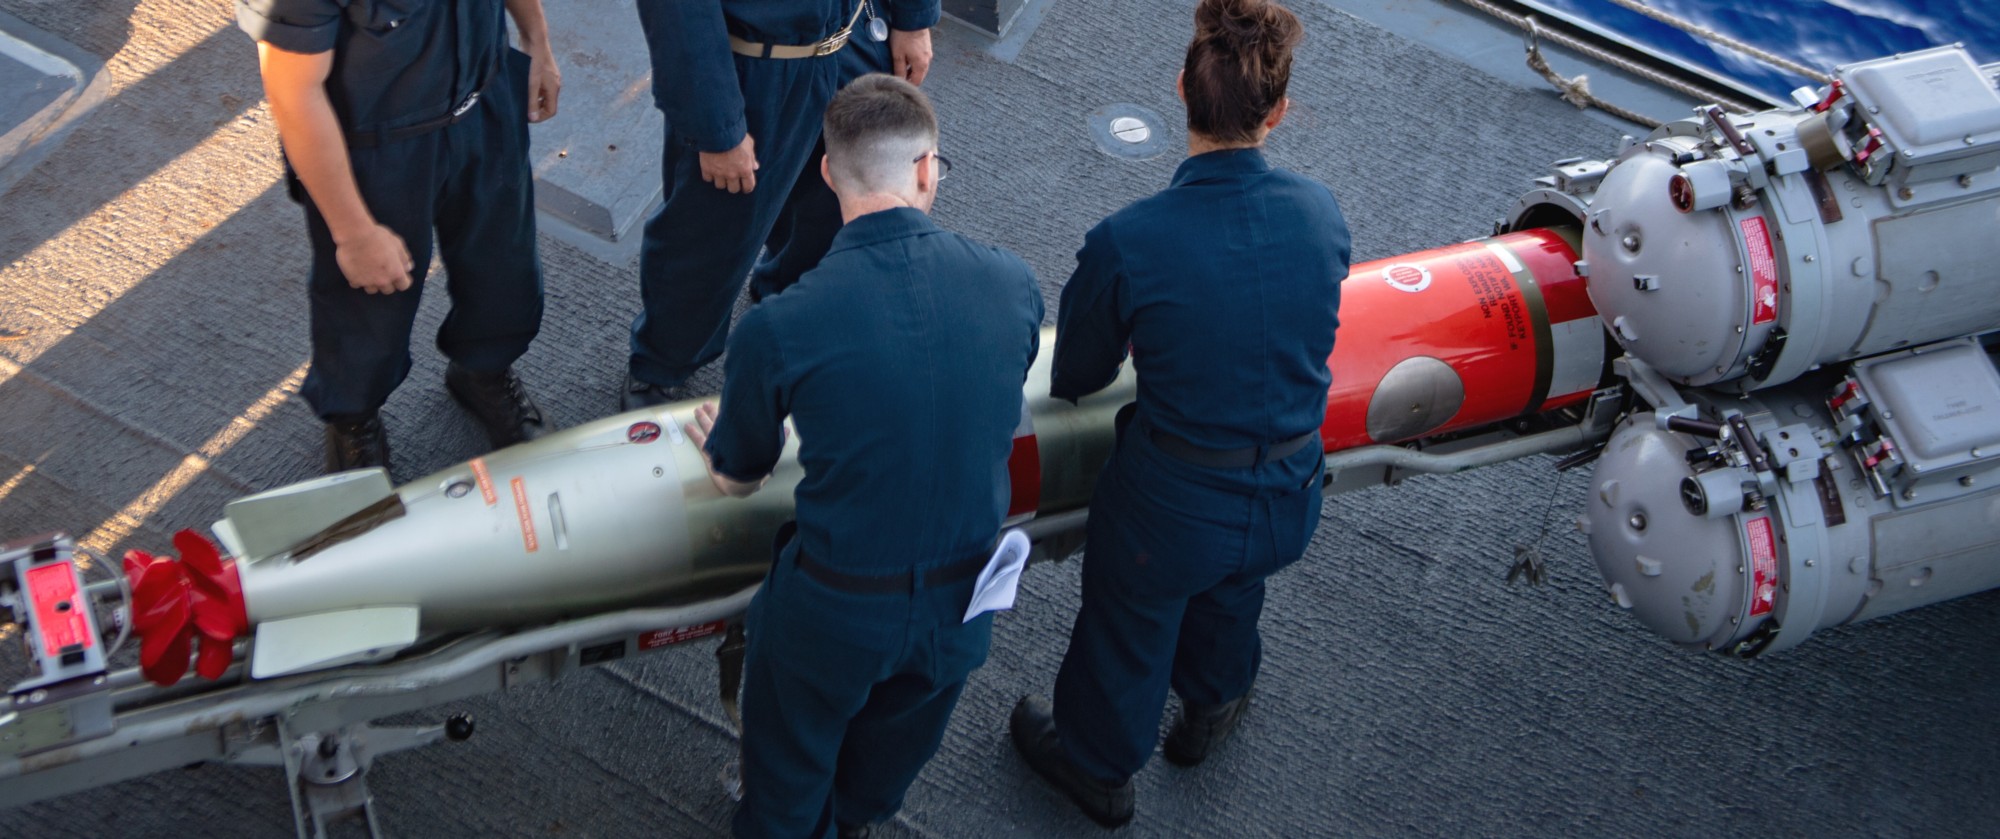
662	637
1764	565
1496	292
52	592
1763	271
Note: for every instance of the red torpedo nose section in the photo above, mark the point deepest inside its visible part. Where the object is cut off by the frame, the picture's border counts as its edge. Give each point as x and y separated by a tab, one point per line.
1461	336
176	601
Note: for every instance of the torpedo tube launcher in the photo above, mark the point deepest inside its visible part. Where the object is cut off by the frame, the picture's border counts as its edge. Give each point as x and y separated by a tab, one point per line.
1778	329
1807	300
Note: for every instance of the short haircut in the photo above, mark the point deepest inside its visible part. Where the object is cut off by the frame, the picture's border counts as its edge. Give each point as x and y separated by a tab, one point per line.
876	128
1238	66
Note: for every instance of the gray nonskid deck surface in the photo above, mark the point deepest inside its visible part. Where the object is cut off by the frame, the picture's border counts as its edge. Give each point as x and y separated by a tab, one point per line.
155	273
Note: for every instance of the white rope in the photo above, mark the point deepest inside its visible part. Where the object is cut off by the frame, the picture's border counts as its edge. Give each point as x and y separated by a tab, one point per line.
1576	91
1595	53
1708	34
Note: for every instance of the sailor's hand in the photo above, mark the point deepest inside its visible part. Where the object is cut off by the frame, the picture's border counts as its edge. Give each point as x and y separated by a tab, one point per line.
544	85
375	261
699	432
734	170
703	425
911	52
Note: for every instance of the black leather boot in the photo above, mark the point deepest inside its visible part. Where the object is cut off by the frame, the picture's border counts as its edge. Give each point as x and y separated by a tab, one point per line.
638	394
1201	729
356	442
1034	730
498	401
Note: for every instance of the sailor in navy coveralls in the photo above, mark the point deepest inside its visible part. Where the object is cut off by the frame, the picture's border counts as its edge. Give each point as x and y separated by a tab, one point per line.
1225	288
900	361
743	84
400	119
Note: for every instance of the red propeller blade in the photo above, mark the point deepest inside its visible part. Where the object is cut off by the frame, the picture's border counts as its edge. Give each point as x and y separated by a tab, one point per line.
173	601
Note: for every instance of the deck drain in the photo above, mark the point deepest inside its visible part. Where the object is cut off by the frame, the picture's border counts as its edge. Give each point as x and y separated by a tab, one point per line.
1128	131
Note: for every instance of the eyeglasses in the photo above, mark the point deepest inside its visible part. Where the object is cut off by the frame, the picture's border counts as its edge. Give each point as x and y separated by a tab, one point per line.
944	163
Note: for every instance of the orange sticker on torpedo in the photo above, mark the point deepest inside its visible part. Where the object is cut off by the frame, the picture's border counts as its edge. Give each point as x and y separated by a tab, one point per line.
485	481
527	518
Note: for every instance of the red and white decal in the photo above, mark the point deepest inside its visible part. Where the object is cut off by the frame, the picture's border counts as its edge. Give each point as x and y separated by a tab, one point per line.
1764	561
58	612
1763	271
662	637
485	480
642	432
1403	276
528	539
1024	471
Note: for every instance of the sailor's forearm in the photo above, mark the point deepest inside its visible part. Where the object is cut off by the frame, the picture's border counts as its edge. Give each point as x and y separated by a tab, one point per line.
530	24
312	138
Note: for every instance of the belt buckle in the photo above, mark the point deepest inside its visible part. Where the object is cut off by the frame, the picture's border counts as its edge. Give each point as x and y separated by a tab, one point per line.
832	44
466	105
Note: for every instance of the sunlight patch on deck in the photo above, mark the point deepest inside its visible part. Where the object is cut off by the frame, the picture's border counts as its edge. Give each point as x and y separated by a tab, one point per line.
134	514
7	488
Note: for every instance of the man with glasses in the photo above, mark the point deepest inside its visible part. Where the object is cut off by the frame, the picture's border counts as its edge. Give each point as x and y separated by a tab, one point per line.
900	359
944	164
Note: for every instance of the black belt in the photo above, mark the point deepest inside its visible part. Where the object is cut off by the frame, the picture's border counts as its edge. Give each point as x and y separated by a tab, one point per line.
371	139
1228	458
898	582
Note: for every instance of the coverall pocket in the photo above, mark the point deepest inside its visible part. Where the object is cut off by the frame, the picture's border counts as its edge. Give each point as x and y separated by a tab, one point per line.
961	647
389	37
382	16
833	621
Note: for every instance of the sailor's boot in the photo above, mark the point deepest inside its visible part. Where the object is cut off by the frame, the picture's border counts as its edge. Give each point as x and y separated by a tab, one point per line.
356	442
1033	726
498	401
1201	729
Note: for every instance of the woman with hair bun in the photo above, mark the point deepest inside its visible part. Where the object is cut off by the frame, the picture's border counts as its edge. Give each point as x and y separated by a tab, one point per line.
1224	289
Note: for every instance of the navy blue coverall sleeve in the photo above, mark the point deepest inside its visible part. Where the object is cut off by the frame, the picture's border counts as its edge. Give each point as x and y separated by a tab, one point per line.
749	427
1093	330
1034	329
306	27
690	39
912	15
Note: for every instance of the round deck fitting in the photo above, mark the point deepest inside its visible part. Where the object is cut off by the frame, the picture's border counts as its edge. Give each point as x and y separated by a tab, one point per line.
1128	131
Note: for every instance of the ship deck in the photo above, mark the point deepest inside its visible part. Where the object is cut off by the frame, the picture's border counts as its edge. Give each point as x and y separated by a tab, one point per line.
153	334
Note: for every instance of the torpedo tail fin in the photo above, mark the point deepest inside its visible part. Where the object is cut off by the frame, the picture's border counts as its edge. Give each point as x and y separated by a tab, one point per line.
331	639
315	512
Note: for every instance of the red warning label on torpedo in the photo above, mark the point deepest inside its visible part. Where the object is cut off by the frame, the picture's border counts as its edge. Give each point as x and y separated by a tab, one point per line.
662	637
1763	271
1024	471
1764	562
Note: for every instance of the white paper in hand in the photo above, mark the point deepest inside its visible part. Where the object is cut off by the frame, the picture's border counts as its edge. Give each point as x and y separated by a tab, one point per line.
1001	577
